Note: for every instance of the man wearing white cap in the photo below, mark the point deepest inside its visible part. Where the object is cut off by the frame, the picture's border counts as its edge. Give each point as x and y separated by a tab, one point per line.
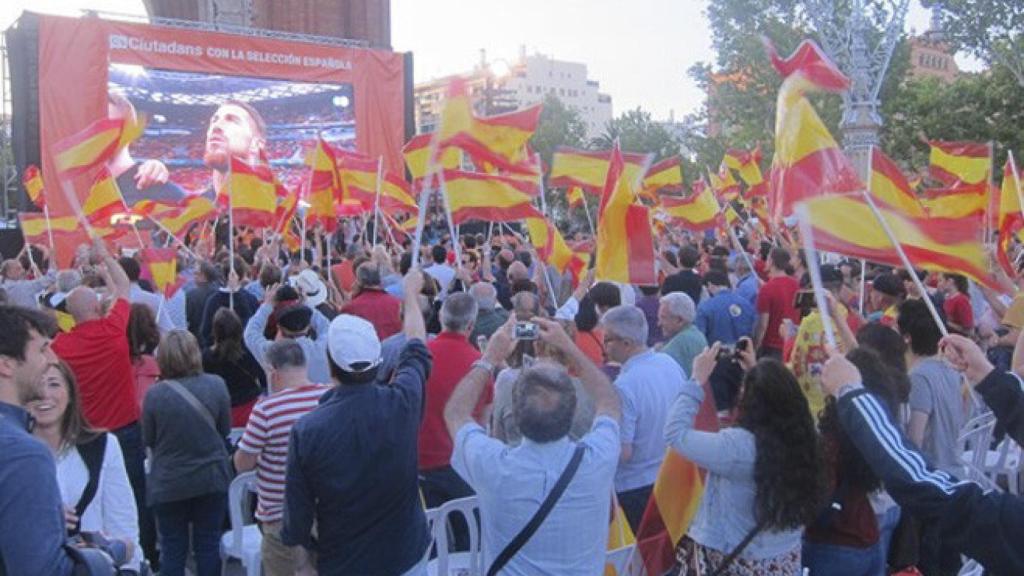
352	461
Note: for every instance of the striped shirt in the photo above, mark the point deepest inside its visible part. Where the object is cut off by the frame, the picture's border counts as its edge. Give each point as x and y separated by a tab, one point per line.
266	435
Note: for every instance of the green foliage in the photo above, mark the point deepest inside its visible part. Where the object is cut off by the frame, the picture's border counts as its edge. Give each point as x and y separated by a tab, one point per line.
976	107
993	30
637	132
559	126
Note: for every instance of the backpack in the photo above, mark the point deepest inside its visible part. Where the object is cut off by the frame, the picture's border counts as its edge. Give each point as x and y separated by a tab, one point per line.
91	453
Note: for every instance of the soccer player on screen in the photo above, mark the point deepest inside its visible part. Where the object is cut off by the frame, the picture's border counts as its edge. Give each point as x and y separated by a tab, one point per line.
236	129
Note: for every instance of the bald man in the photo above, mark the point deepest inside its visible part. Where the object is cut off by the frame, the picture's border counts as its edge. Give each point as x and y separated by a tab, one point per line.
97	351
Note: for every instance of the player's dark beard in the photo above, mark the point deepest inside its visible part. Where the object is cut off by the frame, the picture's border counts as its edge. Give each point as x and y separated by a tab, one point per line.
217	159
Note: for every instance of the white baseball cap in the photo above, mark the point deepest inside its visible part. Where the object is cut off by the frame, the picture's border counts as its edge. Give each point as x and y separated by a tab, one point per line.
352	340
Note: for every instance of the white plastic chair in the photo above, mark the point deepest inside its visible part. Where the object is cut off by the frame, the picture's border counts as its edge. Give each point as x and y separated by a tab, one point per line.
971	568
432	515
457	563
1003	463
973	444
243	541
620	560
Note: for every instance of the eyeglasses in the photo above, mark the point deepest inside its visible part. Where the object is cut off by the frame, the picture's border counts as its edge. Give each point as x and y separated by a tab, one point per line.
608	339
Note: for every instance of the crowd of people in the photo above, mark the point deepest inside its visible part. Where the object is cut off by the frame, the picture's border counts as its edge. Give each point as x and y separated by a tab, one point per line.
364	388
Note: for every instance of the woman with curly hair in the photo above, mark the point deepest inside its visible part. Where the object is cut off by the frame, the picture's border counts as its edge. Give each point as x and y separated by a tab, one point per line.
765	475
849	538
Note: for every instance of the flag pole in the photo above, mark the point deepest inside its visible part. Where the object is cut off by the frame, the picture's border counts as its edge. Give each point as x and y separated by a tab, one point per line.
590	220
376	201
541	263
49	228
451	226
906	263
988	192
863	286
814	270
231	238
1016	179
424	200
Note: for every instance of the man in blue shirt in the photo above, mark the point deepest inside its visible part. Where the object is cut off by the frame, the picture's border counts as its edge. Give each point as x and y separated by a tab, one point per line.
747	282
726	316
32	531
352	462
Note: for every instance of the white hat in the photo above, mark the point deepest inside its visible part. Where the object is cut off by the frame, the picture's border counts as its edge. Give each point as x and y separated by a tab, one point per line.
352	340
308	284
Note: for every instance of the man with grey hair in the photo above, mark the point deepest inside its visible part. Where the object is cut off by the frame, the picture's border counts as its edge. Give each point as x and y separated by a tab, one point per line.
373	304
454	355
511	483
648	385
676	313
489	316
264	446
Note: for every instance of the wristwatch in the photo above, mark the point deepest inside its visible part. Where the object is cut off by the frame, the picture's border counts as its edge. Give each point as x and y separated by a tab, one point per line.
485	366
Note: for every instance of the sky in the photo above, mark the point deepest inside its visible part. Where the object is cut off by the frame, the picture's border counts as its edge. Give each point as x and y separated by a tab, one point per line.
639	50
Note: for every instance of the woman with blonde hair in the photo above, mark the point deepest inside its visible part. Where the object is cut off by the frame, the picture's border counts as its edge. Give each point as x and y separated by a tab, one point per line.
90	466
185	418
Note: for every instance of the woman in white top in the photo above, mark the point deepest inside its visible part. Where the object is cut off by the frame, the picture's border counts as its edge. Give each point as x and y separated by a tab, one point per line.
59	423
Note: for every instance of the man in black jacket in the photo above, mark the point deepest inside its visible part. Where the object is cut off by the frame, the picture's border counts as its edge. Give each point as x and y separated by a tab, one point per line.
984	526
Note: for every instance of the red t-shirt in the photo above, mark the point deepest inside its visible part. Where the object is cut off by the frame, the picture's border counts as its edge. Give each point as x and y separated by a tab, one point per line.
379	308
776	299
958	311
453	356
344	275
97	352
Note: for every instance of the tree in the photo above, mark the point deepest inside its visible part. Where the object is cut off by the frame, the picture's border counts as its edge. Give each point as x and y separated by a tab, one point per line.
992	30
976	107
559	125
637	132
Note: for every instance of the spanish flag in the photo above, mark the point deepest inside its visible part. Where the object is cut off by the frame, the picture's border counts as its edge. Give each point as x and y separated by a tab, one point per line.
286	207
253	194
499	141
33	227
104	200
724	184
358	178
845	224
955	164
697	213
161	266
1010	216
324	189
748	165
417	157
625	244
95	145
890	187
178	219
396	194
665	176
33	181
675	499
552	248
477	196
574	195
589	170
808	162
955	202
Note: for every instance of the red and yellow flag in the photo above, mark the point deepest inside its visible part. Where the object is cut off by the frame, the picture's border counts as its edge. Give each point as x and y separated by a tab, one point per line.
396	194
1010	218
499	141
748	165
253	194
358	178
324	191
675	499
665	176
724	184
955	202
552	248
589	170
845	224
574	195
177	219
95	145
955	164
697	213
477	196
625	242
33	227
161	266
808	162
103	201
890	187
33	181
417	157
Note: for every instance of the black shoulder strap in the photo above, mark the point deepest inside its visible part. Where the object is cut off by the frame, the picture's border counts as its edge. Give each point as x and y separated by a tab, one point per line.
92	453
526	533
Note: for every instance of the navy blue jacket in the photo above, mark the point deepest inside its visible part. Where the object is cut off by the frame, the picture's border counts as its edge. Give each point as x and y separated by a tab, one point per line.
352	469
987	527
32	532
